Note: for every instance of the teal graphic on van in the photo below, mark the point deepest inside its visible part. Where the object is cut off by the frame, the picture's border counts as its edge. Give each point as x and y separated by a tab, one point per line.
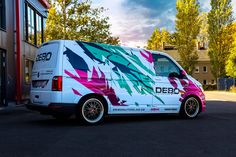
125	65
91	80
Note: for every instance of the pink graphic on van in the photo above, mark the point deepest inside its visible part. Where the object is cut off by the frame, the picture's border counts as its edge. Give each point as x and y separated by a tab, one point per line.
189	88
76	92
147	56
97	84
172	81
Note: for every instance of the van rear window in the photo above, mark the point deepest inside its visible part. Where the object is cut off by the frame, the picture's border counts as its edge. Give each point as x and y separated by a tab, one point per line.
47	56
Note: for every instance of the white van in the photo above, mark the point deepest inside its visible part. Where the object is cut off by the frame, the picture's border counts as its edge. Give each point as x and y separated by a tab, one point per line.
92	80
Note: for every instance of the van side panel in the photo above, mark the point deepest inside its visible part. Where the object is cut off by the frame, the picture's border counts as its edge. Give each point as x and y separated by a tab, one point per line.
125	77
122	76
82	75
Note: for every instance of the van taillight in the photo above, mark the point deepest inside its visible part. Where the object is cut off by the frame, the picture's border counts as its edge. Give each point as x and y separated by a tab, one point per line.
57	83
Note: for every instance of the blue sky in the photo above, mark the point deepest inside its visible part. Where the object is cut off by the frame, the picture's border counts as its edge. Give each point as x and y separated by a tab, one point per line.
134	20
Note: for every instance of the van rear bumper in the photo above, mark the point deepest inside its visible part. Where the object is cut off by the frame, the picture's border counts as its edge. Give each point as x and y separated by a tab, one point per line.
53	108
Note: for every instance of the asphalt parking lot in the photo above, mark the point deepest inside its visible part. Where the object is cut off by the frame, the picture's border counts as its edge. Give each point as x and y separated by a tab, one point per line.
25	133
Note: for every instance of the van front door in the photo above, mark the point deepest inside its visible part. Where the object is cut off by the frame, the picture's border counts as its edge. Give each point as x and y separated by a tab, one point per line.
167	84
132	82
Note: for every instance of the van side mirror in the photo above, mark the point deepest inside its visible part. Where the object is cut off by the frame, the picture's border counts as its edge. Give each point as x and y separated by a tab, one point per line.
174	74
180	75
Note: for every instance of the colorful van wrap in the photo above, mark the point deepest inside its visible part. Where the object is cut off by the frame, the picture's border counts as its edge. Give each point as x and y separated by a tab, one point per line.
91	80
122	75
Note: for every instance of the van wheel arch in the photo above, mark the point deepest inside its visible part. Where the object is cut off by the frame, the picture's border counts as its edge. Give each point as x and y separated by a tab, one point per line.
183	102
94	95
91	109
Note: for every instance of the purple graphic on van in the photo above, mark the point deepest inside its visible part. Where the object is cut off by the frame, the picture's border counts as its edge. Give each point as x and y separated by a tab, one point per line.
173	81
97	85
187	88
130	70
76	92
148	56
126	80
123	63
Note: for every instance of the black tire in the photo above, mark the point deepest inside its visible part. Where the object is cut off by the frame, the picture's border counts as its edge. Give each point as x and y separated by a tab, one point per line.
190	108
91	110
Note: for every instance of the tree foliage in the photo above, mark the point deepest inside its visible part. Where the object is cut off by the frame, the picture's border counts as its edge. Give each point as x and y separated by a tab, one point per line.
203	33
187	30
157	39
231	61
78	20
220	35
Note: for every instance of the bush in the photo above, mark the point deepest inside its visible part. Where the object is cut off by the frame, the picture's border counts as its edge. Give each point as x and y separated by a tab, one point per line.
209	87
232	89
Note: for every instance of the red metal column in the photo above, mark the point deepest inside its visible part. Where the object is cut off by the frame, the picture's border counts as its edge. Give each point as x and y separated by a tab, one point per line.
18	53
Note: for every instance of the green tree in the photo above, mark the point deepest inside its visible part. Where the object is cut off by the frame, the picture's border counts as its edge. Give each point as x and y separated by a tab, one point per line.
231	61
157	39
203	34
77	20
220	35
187	30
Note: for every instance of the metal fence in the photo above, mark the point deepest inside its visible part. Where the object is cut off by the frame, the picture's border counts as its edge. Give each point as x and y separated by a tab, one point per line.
225	83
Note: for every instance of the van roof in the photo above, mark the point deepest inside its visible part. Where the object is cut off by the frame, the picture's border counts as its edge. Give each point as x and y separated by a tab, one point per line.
124	47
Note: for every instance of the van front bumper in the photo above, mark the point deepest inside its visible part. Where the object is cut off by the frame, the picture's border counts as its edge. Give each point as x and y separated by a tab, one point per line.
53	108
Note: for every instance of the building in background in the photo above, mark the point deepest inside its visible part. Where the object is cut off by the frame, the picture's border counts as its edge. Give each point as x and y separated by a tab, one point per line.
202	71
22	24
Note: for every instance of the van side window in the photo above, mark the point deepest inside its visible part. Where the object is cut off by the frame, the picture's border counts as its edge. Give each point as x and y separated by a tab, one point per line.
163	66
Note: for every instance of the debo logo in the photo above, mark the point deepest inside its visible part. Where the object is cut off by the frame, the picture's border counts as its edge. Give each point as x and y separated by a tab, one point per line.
44	56
167	90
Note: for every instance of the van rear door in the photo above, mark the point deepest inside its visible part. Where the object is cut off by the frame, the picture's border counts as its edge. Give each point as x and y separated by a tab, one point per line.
45	67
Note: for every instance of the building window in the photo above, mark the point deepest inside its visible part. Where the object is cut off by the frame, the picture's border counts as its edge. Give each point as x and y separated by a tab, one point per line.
167	46
39	29
204	69
2	15
212	81
204	82
28	70
202	45
33	26
197	69
30	26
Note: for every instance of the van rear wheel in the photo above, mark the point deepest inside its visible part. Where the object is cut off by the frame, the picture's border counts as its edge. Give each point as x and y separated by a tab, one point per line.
190	108
91	111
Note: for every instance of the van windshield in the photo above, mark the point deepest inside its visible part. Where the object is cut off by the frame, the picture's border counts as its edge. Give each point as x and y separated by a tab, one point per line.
46	56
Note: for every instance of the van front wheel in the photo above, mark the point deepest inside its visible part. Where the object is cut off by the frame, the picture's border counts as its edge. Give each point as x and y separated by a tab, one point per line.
91	111
190	108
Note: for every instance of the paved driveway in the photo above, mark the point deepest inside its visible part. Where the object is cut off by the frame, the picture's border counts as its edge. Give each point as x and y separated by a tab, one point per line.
25	133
